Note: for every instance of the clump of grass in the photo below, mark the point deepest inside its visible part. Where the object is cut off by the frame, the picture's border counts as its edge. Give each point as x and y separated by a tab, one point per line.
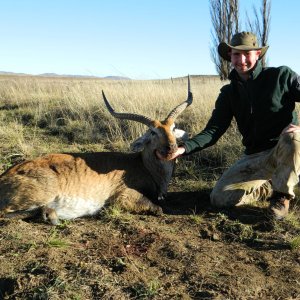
153	287
55	241
295	243
146	291
289	224
235	230
117	264
293	220
112	212
242	231
196	219
28	246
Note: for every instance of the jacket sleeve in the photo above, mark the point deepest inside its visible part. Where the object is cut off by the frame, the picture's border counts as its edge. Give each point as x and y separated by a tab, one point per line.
218	123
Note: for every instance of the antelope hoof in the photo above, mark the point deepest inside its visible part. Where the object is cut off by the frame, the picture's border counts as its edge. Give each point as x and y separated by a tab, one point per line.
49	214
157	210
161	197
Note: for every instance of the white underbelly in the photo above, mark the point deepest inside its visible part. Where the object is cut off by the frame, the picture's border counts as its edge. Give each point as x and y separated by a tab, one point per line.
67	207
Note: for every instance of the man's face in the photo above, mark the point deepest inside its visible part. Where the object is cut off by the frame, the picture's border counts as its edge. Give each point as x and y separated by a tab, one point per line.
244	61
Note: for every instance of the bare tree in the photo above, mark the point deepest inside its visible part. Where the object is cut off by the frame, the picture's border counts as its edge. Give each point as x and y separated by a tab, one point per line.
225	20
261	24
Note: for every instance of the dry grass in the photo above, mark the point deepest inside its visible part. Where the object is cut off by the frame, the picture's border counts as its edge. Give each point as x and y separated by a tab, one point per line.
41	115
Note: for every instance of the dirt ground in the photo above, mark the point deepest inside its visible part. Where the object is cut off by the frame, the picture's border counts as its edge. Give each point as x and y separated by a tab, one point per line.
190	252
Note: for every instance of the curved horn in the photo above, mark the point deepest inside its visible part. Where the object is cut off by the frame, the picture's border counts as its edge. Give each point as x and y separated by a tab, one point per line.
127	116
181	107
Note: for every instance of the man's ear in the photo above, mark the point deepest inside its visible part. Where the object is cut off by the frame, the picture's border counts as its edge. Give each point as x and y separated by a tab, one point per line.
229	53
258	52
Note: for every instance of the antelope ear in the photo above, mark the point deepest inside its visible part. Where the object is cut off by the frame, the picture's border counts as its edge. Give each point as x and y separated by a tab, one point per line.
139	144
181	134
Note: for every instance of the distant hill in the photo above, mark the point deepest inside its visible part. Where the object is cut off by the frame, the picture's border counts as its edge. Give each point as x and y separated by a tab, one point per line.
65	75
117	78
213	77
12	73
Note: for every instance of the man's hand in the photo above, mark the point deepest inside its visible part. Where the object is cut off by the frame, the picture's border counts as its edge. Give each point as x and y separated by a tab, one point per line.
290	128
177	153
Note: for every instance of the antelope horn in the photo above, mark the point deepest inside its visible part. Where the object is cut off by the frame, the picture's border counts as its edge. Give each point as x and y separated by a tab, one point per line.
127	116
181	107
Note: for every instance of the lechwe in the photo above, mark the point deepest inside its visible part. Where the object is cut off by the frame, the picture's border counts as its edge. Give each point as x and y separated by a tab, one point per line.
68	186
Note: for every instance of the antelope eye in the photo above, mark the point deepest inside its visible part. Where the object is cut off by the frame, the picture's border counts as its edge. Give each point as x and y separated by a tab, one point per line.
153	132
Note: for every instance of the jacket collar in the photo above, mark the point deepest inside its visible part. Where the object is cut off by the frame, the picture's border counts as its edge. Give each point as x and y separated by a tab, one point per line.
253	75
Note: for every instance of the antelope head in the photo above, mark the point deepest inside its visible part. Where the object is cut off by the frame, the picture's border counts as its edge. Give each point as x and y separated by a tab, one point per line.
162	135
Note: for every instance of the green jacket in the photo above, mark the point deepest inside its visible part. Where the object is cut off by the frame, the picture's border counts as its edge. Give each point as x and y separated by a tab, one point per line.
262	107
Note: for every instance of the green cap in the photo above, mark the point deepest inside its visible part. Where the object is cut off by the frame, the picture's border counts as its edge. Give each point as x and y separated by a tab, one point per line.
241	41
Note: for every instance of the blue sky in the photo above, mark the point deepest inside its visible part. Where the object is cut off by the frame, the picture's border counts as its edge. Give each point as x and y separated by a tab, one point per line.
140	39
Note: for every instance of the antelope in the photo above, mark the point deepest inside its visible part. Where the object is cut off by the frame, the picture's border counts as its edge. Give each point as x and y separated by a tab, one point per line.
68	186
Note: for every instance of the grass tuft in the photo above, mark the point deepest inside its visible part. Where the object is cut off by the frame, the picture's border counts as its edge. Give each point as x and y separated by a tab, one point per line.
295	243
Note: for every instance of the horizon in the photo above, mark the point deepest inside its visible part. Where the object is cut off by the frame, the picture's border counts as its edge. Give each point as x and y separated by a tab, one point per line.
4	73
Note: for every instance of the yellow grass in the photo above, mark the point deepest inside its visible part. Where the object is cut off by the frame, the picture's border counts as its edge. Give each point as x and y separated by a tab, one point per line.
40	115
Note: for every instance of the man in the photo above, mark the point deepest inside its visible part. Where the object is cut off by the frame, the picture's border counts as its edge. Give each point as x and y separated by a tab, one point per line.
262	101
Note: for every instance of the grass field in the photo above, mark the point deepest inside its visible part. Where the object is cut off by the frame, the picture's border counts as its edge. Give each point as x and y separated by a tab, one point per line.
192	251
